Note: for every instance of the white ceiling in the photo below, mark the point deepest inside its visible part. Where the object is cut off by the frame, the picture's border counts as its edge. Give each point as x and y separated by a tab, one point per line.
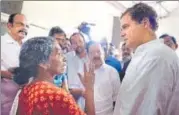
66	13
163	8
71	13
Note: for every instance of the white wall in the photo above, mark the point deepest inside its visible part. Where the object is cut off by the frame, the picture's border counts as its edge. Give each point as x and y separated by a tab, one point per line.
32	32
170	25
69	14
35	31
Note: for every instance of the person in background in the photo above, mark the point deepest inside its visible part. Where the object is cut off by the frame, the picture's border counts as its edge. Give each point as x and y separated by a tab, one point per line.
151	82
75	61
61	79
68	46
111	58
111	49
126	58
85	29
105	46
114	62
60	36
107	80
10	47
41	96
170	41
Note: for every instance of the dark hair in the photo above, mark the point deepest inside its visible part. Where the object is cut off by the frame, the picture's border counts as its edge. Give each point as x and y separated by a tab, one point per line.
140	11
76	33
166	35
33	52
56	30
174	39
12	16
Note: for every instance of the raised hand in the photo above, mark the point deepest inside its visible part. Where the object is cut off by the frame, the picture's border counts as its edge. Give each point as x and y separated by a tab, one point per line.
88	78
88	82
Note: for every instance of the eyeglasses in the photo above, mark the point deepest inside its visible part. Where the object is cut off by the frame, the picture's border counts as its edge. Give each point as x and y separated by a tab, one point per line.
61	39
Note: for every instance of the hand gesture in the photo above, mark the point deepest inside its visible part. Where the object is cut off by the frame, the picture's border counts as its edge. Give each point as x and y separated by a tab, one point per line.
88	78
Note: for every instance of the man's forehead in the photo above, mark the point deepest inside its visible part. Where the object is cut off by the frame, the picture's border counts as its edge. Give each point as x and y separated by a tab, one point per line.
167	38
126	18
95	46
59	35
77	37
21	18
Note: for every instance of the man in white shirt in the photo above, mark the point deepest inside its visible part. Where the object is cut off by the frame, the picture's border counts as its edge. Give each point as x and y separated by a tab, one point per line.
10	49
151	83
107	80
75	61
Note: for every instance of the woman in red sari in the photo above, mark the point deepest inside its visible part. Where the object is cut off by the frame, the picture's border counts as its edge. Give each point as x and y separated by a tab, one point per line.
41	59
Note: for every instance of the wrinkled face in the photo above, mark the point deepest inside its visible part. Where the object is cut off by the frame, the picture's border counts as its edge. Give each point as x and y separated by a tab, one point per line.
132	32
169	42
57	62
60	39
19	27
96	54
78	43
126	52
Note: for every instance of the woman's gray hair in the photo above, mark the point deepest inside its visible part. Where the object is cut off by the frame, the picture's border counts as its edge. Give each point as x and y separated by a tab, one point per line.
33	52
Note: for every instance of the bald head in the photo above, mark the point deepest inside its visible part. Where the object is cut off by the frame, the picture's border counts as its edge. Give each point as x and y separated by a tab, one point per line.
96	53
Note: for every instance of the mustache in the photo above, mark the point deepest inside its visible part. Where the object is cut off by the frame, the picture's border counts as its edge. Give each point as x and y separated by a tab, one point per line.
126	53
23	31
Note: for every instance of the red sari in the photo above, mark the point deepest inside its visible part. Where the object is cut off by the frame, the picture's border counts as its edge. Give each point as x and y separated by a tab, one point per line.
43	98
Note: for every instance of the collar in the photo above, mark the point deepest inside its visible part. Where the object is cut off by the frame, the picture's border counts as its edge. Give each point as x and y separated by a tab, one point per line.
9	39
145	46
101	68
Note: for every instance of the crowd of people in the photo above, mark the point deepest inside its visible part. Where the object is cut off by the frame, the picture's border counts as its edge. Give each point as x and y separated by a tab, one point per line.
56	75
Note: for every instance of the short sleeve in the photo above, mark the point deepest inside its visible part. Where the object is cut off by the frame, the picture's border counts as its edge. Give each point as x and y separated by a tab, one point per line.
64	77
64	104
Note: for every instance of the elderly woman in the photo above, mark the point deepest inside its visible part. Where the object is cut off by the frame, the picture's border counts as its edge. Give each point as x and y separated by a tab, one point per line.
41	59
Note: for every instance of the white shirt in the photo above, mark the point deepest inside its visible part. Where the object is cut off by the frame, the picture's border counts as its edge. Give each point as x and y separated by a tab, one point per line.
106	88
177	52
10	50
151	83
75	65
